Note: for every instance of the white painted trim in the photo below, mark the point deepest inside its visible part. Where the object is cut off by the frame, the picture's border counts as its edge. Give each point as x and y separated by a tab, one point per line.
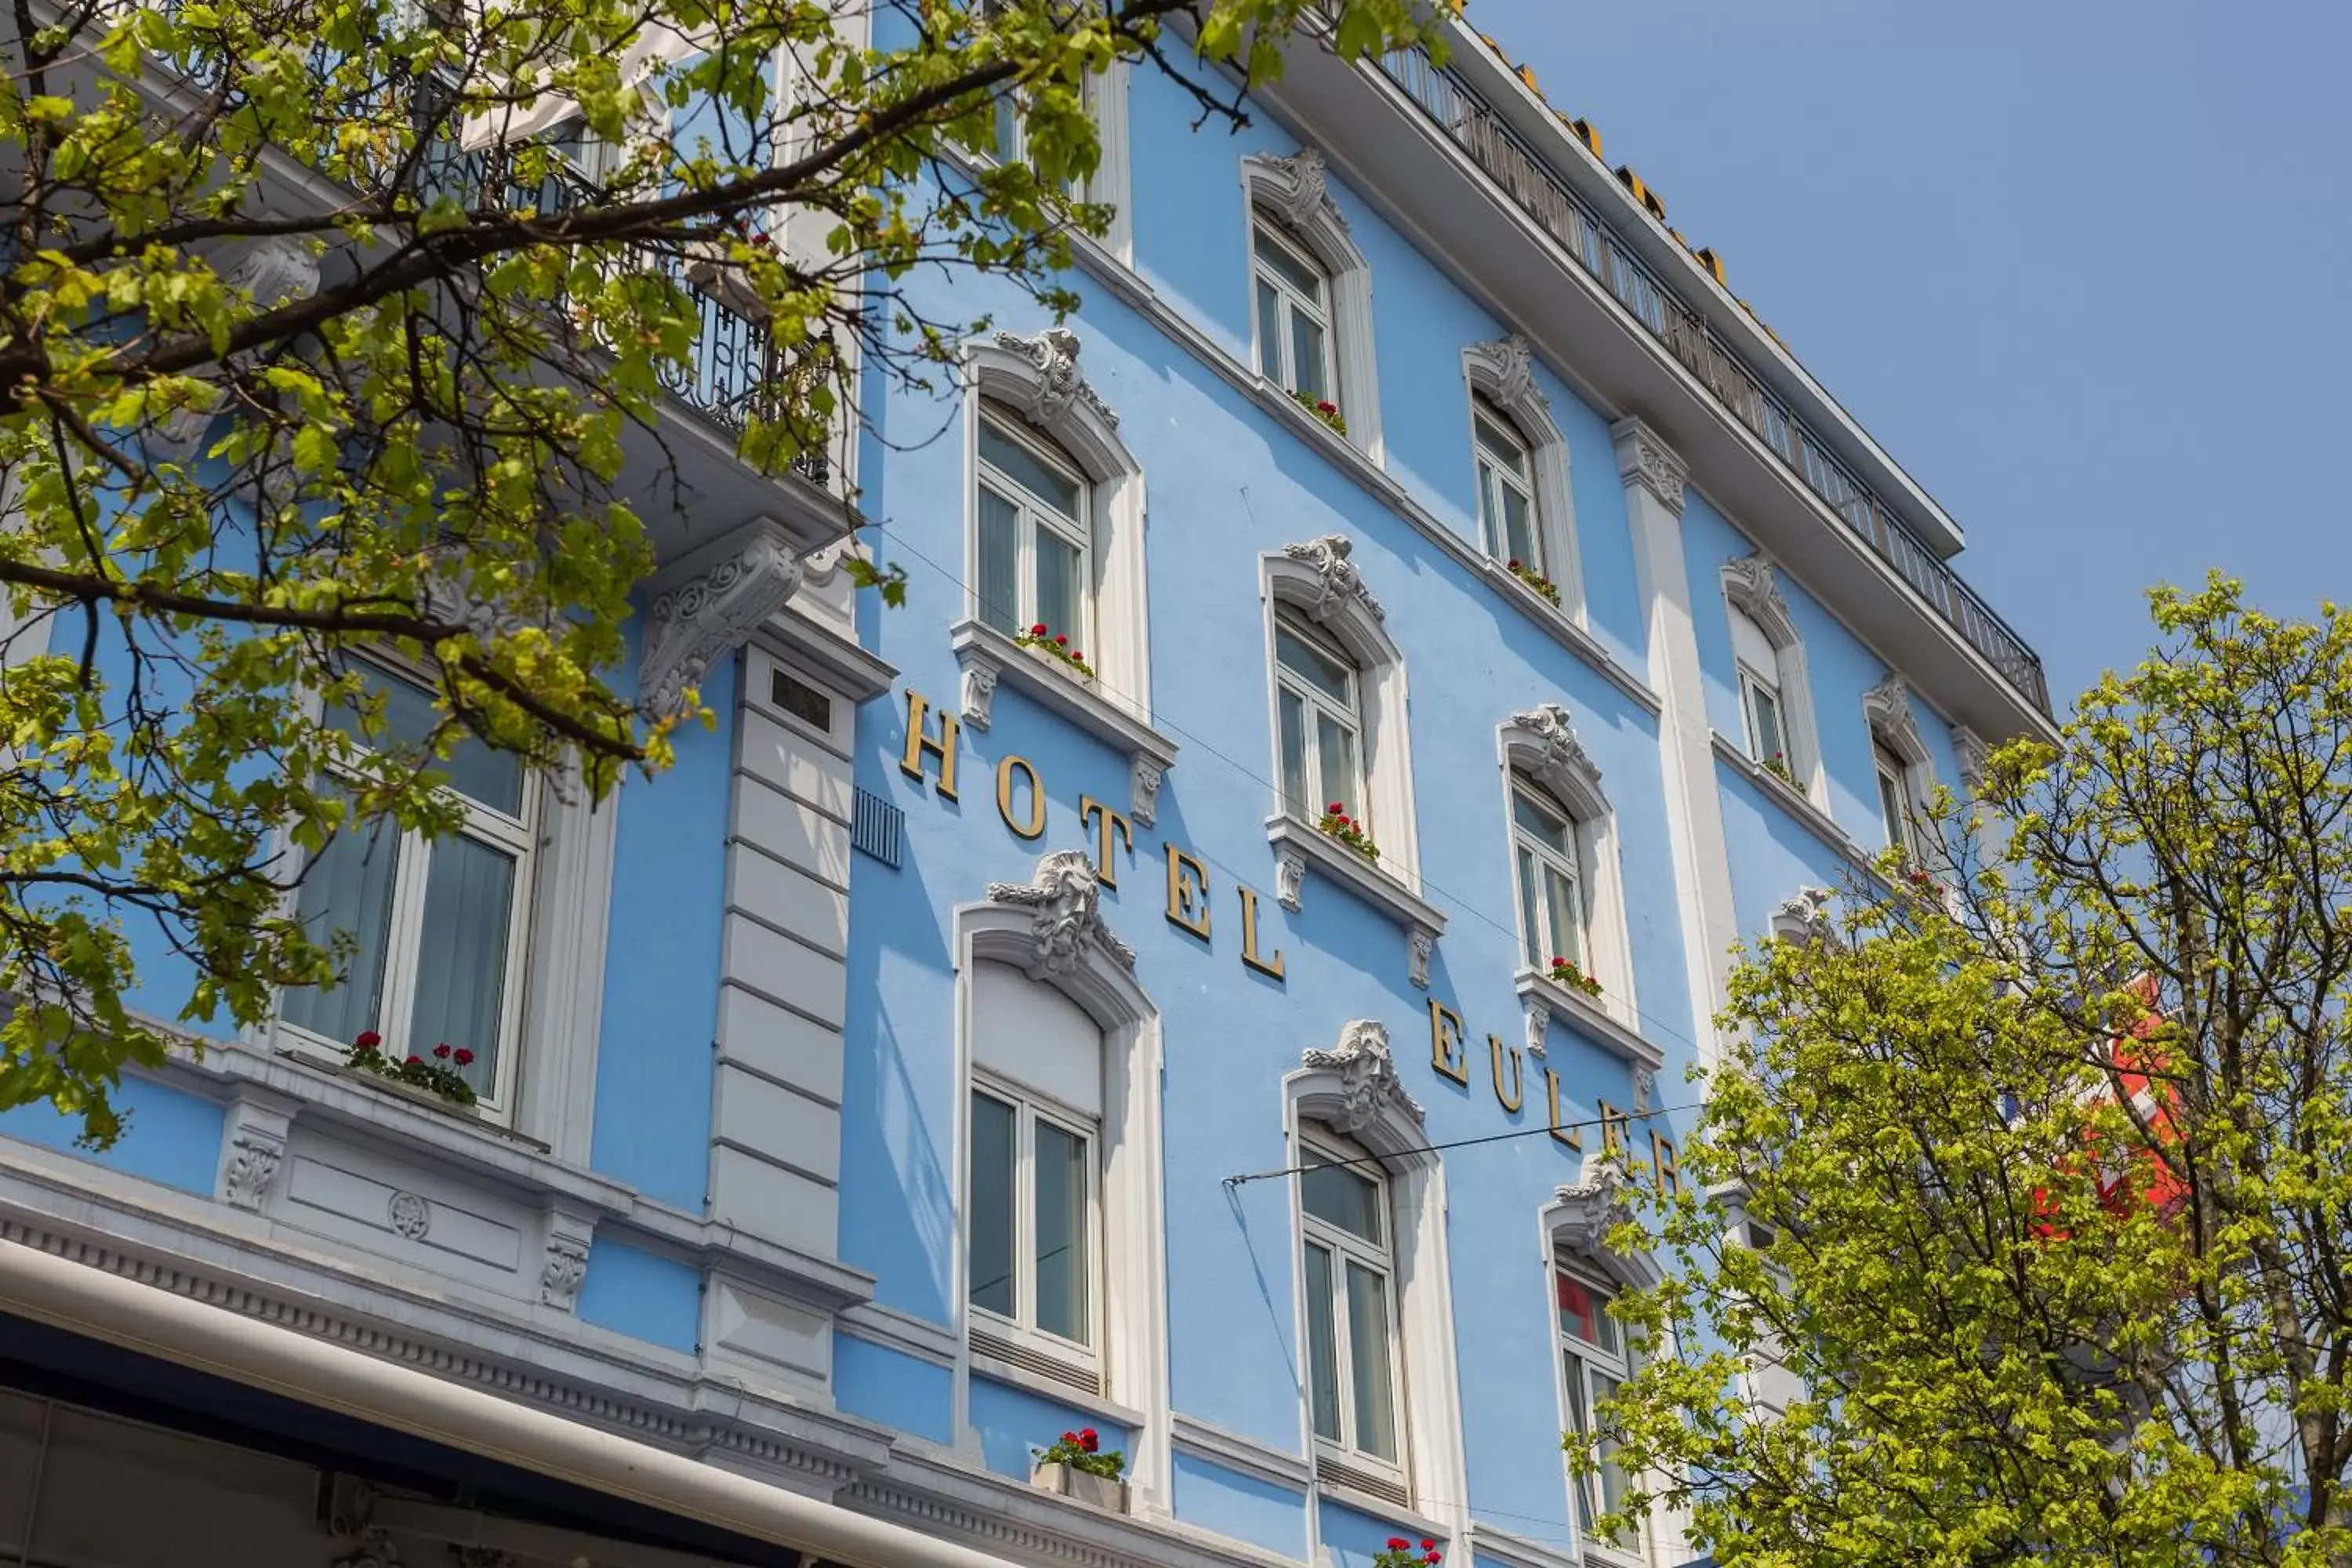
1246	1456
985	657
1292	194
1794	802
1037	379
1503	373
565	1006
904	1332
1751	587
1540	746
1134	1283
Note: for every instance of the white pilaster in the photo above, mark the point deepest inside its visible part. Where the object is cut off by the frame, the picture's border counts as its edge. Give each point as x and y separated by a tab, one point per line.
1654	477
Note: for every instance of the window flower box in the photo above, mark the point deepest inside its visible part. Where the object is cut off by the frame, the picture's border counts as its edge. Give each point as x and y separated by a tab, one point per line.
1323	408
1078	1468
1535	580
1563	973
1777	764
1349	831
1056	646
438	1081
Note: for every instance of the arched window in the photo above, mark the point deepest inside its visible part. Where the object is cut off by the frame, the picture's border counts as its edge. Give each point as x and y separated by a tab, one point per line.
1063	1264
1905	777
1589	1347
1548	865
1775	708
1320	720
1507	490
1526	515
1036	536
1310	293
1348	1265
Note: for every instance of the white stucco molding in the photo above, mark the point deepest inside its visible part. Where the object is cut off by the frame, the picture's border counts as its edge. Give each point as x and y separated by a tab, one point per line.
1644	458
706	604
1582	1215
1887	708
1352	1087
1970	751
1332	588
986	658
1542	743
1052	929
1754	589
1037	378
1803	917
1540	746
1503	372
1296	194
1752	584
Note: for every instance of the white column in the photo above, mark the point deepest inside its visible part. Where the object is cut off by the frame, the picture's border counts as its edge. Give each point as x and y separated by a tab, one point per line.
1654	477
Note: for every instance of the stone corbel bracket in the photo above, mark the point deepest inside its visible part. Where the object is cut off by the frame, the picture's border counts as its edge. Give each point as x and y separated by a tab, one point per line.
987	657
706	604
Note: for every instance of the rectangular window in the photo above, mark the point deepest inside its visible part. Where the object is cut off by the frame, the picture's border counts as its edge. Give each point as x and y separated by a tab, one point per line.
1506	502
1294	317
1894	799
437	927
1767	736
1319	723
1349	1278
1592	1365
1032	1205
1036	538
1550	867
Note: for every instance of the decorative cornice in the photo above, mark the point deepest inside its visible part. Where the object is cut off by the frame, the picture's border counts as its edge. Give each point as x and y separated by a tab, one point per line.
1505	371
1803	917
1542	743
1066	895
1297	190
1643	459
1341	584
1059	384
1894	721
1753	587
1370	1087
708	604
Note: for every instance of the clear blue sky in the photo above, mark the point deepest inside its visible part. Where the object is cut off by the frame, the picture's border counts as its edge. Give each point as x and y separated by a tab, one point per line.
2084	267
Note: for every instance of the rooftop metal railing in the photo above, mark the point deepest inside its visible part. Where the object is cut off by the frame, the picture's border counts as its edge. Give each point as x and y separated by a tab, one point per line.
1529	178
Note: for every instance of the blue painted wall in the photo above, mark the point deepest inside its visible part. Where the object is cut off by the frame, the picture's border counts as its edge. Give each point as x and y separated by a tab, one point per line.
1216	1497
169	1136
642	1294
1014	1424
890	1386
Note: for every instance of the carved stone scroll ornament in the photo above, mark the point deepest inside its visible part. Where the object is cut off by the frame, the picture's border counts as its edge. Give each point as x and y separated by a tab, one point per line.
1143	789
1593	1207
1551	754
1754	589
1887	707
1644	459
706	604
1420	946
979	693
1505	371
1290	876
1368	1085
254	1158
1804	916
1338	580
1538	1015
1297	190
563	1262
1069	926
1059	384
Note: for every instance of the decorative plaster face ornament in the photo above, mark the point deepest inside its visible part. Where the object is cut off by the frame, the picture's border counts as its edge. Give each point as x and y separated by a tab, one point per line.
1066	897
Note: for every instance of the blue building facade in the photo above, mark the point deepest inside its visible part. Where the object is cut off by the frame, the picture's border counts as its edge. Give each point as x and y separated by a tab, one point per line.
1203	970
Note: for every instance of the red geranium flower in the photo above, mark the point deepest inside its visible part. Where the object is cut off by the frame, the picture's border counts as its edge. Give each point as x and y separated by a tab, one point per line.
1335	808
1075	654
369	1040
442	1050
1069	1436
1038	630
1397	1544
1432	1559
1062	641
1513	563
416	1061
1086	1439
1327	408
1427	1544
465	1057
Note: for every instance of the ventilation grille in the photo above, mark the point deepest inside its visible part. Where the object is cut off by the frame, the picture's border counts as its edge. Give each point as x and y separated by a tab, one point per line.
876	829
1084	1379
1354	1479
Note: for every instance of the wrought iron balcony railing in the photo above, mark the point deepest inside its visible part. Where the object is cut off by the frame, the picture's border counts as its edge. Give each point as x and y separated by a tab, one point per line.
1530	180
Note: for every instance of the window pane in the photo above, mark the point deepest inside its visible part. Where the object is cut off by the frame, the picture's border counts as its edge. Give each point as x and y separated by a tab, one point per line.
1892	809
1339	1195
1062	1233
1016	462
1540	823
1367	1328
1490	509
1506	448
1531	909
1566	913
1285	262
477	771
1000	563
1583	1312
1060	583
1294	753
1315	666
1269	331
1322	1359
1335	748
1764	710
1006	145
1579	1421
992	1204
348	887
1308	371
461	955
1519	528
1612	1474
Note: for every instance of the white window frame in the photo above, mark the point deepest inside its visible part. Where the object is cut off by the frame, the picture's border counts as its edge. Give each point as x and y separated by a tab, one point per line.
1901	762
516	836
1520	478
1034	513
1751	588
1586	1494
1501	379
1572	867
1319	704
1753	684
1292	195
1265	231
1317	1145
1895	799
1029	1109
